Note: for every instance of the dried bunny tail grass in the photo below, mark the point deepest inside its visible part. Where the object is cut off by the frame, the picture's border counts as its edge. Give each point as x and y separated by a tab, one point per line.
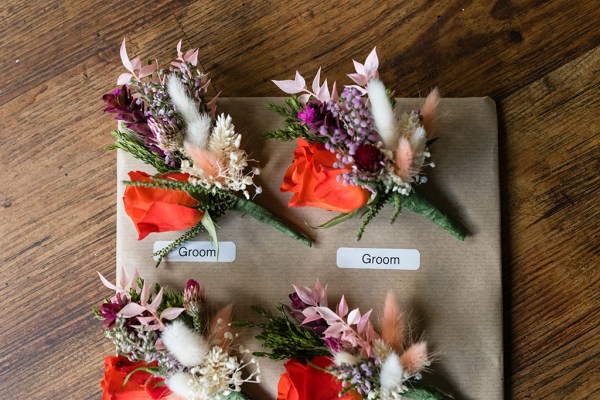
343	357
197	124
392	323
391	374
187	346
383	114
220	332
403	158
415	358
180	384
428	110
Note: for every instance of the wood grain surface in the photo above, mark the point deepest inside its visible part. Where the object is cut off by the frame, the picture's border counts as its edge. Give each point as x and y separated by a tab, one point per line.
539	60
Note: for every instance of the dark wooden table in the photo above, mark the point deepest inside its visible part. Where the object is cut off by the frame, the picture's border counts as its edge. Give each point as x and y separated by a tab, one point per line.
539	60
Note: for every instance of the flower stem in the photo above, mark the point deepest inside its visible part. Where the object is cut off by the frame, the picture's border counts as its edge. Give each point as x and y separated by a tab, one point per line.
263	215
236	396
420	392
415	202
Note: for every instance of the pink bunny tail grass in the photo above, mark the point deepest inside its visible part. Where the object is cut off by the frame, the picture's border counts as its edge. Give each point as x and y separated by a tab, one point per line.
415	358
392	323
203	159
219	327
428	110
403	158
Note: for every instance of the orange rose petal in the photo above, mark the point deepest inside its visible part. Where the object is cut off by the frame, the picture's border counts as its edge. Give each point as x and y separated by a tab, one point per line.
165	217
159	210
304	382
116	370
285	388
313	181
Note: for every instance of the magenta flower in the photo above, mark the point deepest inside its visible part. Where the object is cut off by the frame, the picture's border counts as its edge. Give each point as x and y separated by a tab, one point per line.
307	115
109	311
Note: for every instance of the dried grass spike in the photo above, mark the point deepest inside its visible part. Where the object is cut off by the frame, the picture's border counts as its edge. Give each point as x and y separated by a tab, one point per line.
392	323
220	332
428	110
415	358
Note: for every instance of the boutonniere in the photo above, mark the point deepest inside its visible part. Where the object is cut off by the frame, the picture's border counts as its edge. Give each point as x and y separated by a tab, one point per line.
169	344
337	352
357	150
201	168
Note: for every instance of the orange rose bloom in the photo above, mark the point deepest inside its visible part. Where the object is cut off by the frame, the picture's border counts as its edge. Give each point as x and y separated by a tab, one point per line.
313	180
304	382
141	385
159	210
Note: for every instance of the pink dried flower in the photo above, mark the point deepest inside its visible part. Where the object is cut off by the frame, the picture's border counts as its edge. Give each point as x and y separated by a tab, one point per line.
415	358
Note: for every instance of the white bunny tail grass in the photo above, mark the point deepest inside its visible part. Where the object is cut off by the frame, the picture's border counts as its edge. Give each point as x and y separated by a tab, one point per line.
188	347
197	124
180	384
391	372
383	114
344	357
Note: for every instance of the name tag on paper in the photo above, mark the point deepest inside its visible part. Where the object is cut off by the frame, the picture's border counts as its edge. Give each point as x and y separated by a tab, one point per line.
405	259
199	252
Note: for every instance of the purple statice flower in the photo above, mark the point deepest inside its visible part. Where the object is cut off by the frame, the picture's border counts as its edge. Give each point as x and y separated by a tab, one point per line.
109	310
362	378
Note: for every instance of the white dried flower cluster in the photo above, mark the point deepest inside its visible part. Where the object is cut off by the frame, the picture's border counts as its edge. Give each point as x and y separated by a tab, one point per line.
233	161
211	372
220	374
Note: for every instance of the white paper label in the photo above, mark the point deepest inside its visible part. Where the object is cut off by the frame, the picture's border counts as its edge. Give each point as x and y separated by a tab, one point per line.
199	252
407	259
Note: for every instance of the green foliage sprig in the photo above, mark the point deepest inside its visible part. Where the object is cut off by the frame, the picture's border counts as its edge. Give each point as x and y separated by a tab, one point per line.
127	141
285	339
293	128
